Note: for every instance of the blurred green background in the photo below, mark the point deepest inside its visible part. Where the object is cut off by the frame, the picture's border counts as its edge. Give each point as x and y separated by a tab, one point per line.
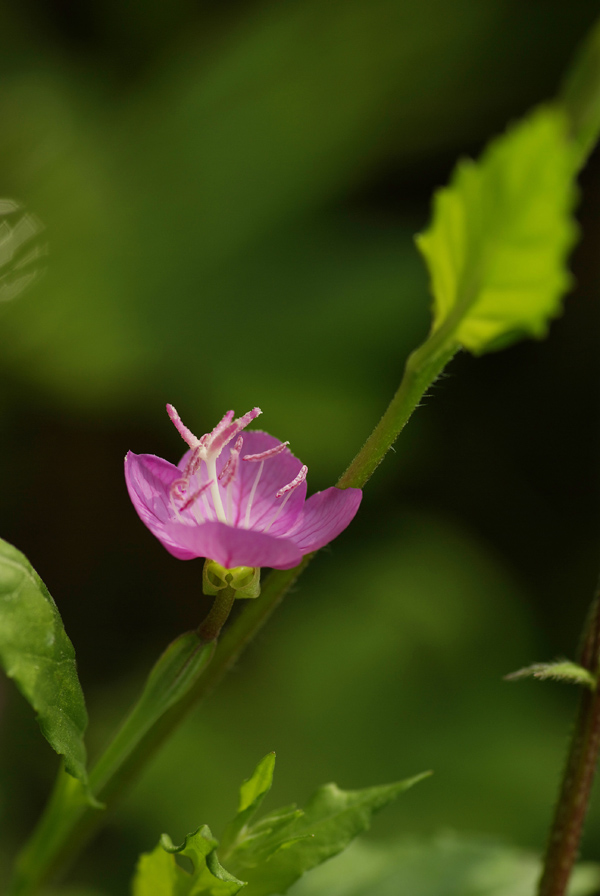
230	193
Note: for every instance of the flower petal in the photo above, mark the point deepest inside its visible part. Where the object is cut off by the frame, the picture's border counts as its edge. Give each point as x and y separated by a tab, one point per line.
149	479
325	515
231	546
276	472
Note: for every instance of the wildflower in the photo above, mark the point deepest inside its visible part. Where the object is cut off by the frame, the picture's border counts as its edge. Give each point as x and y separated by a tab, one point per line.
239	500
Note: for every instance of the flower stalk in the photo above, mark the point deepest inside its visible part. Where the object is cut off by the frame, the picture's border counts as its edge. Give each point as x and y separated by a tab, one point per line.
210	629
68	823
580	768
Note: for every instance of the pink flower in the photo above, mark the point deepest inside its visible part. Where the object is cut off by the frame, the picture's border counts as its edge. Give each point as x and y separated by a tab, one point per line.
237	499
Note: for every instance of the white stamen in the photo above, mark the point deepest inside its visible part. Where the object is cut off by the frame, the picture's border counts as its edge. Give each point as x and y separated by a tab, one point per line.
206	506
227	475
278	511
252	493
211	469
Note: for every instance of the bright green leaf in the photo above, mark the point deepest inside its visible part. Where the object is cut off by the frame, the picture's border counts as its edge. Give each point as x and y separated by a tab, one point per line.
280	848
158	873
501	232
36	652
560	670
252	793
254	789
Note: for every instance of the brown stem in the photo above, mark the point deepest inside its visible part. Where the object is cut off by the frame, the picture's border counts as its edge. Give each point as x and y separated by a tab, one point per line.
580	768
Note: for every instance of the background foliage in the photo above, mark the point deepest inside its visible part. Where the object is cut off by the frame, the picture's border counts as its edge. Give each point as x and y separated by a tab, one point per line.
230	196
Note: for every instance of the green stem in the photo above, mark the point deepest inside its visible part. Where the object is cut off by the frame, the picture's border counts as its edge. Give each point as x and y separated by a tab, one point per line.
580	768
210	629
422	367
68	821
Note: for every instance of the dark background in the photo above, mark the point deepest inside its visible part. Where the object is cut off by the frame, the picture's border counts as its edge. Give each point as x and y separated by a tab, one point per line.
230	194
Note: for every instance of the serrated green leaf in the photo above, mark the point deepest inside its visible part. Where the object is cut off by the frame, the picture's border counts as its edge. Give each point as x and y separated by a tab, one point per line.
36	652
266	836
560	670
252	793
158	874
330	821
501	232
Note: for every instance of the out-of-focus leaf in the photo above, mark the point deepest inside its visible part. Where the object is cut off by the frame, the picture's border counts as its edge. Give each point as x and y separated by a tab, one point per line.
225	143
449	865
158	873
279	848
500	235
36	652
20	251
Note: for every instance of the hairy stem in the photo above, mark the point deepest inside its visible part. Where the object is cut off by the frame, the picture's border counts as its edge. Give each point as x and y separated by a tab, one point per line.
580	768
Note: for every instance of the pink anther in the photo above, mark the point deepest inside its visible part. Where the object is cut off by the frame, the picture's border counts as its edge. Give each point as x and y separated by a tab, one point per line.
228	417
179	486
294	483
229	430
196	495
192	465
270	452
230	469
186	434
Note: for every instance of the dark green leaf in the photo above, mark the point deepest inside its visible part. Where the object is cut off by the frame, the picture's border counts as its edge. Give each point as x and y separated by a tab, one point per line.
36	652
501	232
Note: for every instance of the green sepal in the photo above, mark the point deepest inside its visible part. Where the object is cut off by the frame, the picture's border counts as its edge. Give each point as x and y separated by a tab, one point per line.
273	853
245	580
158	873
171	678
501	232
173	674
559	670
37	654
